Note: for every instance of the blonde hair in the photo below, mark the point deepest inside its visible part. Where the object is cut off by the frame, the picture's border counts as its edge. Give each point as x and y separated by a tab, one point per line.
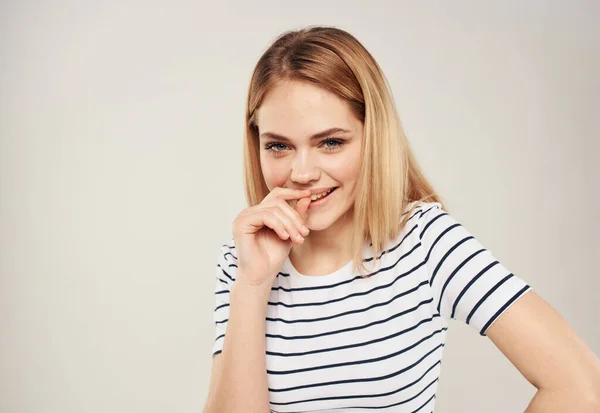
390	177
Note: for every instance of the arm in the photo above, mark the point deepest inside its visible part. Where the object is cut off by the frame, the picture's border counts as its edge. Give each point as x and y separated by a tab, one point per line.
550	355
239	376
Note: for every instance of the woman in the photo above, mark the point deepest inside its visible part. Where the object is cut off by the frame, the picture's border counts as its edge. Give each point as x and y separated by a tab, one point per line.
335	292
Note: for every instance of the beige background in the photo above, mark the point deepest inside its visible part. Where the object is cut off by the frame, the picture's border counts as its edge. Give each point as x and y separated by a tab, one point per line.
120	173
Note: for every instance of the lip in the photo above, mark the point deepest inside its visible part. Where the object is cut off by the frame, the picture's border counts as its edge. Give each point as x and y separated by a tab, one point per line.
322	201
316	191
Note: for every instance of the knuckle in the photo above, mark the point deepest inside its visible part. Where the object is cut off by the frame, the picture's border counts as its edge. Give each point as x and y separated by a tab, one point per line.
266	214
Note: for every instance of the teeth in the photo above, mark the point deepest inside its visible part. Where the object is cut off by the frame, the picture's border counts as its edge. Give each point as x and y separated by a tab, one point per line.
317	196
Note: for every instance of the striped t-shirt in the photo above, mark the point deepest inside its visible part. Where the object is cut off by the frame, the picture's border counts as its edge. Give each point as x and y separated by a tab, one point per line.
339	342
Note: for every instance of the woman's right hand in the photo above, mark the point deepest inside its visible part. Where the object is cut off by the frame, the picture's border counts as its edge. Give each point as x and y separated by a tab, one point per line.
264	234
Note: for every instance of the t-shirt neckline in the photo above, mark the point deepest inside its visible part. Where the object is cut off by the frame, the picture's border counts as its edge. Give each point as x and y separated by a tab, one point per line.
303	280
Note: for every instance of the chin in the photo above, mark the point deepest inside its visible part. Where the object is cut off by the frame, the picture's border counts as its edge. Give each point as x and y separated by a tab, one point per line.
320	223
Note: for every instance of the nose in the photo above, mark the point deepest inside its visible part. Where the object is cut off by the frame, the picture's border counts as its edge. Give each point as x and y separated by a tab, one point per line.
303	169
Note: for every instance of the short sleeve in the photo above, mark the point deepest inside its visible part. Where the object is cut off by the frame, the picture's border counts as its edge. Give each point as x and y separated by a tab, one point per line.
468	282
225	272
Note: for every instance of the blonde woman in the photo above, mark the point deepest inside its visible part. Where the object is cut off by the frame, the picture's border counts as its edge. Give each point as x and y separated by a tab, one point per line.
335	291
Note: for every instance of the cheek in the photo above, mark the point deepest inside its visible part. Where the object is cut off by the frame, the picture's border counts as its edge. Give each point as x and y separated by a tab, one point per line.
274	171
346	169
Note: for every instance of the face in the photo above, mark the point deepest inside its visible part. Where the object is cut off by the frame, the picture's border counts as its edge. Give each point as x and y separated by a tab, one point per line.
293	153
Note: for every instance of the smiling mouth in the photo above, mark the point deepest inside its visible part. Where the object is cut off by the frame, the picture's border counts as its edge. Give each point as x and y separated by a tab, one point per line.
327	193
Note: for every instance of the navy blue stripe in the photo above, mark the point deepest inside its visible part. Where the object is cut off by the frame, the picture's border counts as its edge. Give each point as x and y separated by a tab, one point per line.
400	314
429	224
413	208
462	264
221	306
358	277
360	380
429	209
407	400
427	401
364	343
393	248
482	300
228	253
416	212
445	256
508	303
225	272
438	239
352	363
464	290
450	228
363	396
360	310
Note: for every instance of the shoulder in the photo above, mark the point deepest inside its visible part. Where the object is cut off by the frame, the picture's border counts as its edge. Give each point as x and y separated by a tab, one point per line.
427	207
414	218
426	218
422	212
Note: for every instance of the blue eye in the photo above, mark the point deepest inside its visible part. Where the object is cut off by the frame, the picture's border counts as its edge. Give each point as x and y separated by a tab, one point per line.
269	146
337	143
330	144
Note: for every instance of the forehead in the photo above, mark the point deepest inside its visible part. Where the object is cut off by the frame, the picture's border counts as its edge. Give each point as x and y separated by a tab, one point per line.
299	109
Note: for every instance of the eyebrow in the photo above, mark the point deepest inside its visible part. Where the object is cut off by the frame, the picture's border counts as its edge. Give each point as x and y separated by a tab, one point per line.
318	135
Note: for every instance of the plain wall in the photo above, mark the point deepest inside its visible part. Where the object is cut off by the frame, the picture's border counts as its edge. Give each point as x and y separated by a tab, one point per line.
121	127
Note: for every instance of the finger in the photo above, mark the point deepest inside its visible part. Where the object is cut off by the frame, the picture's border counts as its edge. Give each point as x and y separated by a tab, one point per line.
270	220
302	207
289	193
289	224
294	216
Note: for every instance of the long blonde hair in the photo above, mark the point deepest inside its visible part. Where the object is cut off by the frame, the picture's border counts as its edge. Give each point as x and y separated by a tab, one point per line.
390	178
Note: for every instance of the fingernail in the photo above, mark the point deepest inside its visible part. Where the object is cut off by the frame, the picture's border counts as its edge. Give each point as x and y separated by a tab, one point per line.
299	237
304	230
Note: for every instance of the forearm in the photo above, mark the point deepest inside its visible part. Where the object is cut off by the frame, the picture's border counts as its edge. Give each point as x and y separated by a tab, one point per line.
552	401
243	385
